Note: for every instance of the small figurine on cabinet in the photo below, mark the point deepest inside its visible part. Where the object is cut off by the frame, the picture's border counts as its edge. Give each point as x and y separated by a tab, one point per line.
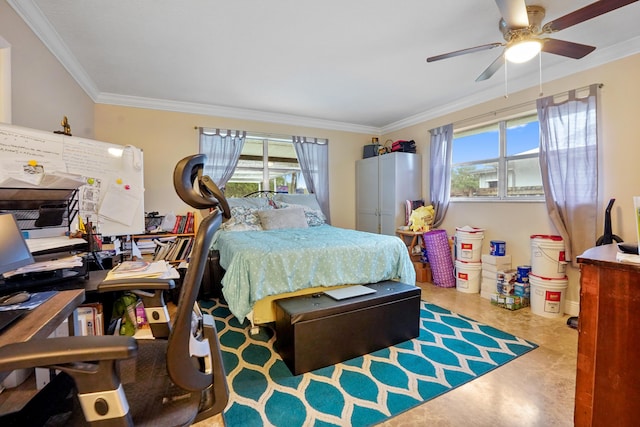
65	126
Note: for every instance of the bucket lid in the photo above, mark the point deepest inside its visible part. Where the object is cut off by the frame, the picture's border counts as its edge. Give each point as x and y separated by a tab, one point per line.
471	264
469	229
546	236
535	276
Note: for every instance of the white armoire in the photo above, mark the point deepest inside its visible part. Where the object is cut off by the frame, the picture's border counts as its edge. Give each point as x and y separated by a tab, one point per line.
383	184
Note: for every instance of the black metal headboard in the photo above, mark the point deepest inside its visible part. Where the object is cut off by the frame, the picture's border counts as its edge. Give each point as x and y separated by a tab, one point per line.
264	193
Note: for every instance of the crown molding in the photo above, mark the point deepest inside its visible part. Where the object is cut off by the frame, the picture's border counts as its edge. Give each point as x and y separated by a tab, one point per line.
231	112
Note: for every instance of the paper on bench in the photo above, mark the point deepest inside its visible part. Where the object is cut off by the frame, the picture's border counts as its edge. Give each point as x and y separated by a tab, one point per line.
349	292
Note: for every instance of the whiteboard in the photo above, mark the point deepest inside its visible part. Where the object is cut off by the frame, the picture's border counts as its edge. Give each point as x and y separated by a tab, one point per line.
110	176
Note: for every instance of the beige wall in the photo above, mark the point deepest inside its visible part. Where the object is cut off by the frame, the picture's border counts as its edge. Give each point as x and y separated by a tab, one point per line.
42	90
167	137
619	173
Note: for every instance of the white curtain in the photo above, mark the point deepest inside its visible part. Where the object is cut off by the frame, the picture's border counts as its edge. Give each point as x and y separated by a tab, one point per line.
313	156
569	166
440	171
222	149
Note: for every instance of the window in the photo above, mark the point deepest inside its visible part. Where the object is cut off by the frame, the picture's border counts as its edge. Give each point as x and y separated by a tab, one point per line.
498	161
267	162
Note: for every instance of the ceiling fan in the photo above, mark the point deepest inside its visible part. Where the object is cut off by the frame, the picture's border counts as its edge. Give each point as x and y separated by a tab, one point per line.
522	28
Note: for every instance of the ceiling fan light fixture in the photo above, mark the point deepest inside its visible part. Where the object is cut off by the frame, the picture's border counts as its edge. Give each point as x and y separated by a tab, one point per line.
523	51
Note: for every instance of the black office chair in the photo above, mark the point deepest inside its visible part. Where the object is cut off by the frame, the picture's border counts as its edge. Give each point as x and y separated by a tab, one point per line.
120	381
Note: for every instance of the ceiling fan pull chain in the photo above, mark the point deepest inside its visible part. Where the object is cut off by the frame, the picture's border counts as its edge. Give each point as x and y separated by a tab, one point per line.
506	85
540	71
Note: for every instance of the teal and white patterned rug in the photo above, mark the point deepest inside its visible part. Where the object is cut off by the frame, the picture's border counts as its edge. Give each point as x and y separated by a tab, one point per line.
450	351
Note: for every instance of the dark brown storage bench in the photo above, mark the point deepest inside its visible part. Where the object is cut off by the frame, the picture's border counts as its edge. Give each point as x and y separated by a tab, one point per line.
314	331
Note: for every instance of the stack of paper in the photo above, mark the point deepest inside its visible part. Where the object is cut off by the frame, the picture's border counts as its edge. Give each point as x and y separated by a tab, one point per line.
146	246
633	258
47	243
55	264
143	269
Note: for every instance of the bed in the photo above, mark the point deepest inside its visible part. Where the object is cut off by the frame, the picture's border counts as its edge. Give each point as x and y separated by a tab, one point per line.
280	247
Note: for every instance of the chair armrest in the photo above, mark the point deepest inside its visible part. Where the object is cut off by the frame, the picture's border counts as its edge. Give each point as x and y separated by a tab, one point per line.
62	350
136	284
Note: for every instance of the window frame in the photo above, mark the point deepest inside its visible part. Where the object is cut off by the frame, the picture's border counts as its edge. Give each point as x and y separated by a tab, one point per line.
266	138
502	161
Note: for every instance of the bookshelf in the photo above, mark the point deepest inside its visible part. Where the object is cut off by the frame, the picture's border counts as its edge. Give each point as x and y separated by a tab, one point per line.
171	247
174	246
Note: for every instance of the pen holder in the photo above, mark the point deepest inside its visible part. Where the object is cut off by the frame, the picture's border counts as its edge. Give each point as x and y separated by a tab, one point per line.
94	241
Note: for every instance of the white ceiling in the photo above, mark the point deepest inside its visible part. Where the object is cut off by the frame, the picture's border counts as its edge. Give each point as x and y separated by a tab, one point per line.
349	65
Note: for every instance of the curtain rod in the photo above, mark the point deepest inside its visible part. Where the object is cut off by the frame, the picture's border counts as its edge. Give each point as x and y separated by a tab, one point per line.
517	106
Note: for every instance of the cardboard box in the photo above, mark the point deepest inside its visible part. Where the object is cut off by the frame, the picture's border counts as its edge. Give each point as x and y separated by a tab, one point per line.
496	260
488	287
510	302
423	272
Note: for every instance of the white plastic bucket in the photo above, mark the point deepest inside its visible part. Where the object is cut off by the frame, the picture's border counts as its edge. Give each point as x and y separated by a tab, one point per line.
548	256
469	244
548	295
468	275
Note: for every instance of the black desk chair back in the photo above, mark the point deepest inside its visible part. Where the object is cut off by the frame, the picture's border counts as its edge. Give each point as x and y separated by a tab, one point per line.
120	381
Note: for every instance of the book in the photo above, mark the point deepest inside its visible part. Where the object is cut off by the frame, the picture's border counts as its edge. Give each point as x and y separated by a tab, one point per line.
90	319
190	222
176	226
186	252
183	223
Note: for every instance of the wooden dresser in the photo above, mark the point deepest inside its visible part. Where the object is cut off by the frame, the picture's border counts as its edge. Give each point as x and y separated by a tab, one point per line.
608	366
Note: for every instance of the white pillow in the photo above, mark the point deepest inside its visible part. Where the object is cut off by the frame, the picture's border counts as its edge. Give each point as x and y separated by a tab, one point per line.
274	219
314	216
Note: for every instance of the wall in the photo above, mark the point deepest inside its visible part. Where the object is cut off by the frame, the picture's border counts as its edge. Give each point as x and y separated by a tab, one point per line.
42	89
619	174
167	137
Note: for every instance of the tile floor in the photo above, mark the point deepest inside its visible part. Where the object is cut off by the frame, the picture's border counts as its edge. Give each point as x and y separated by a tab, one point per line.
536	389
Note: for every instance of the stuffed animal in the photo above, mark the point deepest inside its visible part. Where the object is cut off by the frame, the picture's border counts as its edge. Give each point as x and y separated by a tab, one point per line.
421	218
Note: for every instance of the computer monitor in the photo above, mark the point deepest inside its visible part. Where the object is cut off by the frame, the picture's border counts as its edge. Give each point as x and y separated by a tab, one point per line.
14	252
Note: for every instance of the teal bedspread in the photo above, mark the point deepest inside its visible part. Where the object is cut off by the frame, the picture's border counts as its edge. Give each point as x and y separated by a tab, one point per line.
270	262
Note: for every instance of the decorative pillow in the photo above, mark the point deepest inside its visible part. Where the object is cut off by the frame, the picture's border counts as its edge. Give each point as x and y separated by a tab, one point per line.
273	219
243	218
233	225
313	216
308	200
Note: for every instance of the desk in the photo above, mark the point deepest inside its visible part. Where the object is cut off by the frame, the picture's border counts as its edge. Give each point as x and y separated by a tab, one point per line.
607	377
42	320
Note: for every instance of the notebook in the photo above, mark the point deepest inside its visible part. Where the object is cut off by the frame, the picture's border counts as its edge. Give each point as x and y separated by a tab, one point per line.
349	292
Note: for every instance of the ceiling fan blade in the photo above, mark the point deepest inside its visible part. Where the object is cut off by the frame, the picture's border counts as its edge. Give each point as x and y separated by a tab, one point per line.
565	48
463	52
583	14
514	13
491	69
